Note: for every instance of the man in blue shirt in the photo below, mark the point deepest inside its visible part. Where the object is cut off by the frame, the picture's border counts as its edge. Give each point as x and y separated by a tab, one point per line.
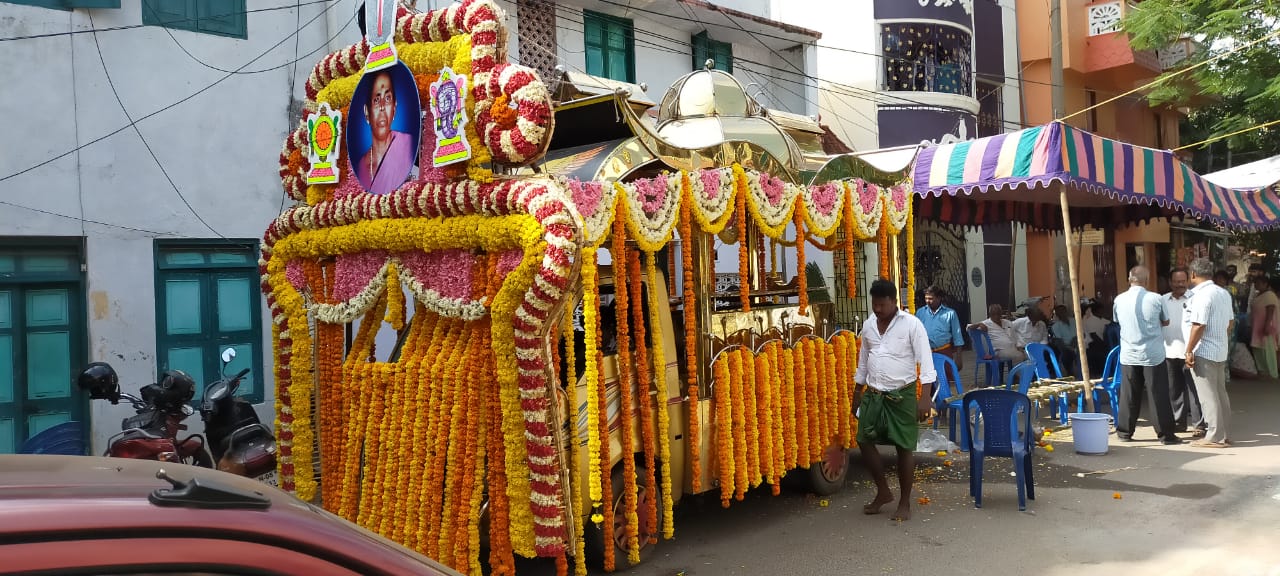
1141	317
942	324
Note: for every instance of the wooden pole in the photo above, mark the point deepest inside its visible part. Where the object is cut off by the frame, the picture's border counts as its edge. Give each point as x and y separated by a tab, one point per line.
1075	297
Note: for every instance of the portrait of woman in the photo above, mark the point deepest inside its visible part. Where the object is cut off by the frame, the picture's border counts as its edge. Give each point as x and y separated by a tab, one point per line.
385	128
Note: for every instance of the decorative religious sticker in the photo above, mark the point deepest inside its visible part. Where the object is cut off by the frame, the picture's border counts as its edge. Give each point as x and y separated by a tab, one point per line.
380	33
323	129
448	96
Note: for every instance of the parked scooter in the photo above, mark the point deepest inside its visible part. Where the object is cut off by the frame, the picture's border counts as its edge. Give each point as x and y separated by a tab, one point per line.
151	433
240	443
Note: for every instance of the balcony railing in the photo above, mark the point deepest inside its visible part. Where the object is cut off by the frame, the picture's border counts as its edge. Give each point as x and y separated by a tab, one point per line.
912	76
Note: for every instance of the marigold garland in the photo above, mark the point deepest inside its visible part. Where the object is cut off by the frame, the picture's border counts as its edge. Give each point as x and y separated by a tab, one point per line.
764	409
744	262
690	303
644	388
621	296
751	429
591	373
722	374
663	430
850	256
883	243
801	405
801	276
909	236
741	478
791	428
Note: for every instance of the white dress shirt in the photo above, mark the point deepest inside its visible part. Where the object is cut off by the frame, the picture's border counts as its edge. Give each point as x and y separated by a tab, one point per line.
1025	332
1002	335
888	361
1175	344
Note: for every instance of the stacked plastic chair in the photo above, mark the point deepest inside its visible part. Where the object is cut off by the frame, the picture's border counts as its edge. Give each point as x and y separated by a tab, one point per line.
66	438
985	356
1110	383
949	386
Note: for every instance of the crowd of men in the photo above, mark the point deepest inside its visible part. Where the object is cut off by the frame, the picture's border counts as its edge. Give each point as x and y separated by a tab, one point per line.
1175	348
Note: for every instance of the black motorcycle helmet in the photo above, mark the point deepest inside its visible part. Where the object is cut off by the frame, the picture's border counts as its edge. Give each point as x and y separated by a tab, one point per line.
172	392
100	380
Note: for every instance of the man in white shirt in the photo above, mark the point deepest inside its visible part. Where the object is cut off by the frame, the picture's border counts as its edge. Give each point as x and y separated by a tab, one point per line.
1030	329
1208	322
1182	392
1141	317
894	343
1004	339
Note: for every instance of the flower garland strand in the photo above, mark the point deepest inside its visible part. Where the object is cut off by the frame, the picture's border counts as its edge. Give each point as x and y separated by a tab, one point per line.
741	474
764	411
850	256
690	304
723	382
909	236
664	418
621	296
883	242
801	406
644	387
777	424
744	262
801	274
750	429
591	373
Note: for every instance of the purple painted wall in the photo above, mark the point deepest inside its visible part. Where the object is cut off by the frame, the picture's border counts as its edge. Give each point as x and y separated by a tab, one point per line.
902	126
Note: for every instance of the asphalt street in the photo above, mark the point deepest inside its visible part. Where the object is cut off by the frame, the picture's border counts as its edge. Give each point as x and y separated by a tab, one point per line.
1141	509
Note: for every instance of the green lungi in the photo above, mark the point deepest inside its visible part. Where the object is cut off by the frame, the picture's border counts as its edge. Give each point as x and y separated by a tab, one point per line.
889	418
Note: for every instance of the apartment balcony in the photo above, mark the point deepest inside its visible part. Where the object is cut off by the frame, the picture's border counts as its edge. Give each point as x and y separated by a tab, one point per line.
1107	48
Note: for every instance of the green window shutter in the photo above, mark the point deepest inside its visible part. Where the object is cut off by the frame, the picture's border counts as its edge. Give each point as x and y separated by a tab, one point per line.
700	52
223	17
723	53
593	41
704	47
180	14
207	301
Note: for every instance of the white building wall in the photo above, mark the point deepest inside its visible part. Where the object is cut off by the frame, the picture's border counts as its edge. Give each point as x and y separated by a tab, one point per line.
220	148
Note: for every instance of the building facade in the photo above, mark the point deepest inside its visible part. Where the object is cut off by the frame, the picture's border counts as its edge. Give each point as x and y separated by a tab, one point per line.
1098	64
140	170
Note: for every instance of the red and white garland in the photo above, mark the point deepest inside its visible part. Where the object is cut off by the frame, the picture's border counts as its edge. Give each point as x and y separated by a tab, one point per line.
898	199
867	208
824	205
596	202
549	206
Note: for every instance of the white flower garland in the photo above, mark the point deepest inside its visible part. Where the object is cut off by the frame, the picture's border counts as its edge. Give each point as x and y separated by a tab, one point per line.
822	224
773	217
652	231
866	222
711	205
897	217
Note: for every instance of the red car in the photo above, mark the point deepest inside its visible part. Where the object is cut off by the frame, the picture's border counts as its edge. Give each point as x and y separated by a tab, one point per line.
73	515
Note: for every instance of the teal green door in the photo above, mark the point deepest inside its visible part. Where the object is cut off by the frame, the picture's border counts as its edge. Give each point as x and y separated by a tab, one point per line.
40	350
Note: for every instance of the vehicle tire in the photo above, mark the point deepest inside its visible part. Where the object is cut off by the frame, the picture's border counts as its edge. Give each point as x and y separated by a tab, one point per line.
827	477
595	536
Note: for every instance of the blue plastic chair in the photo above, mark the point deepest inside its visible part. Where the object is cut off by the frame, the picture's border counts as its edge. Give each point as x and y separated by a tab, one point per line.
1047	366
1021	377
66	438
1110	383
1005	417
948	386
985	355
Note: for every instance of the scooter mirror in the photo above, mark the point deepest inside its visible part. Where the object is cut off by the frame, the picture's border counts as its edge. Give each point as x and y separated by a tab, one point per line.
228	355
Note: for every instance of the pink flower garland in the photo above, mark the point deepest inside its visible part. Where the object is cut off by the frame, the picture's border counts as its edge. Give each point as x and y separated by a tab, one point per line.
710	183
772	187
824	197
653	194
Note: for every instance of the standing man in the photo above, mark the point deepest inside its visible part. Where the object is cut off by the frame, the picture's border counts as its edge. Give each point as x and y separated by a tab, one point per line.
1141	317
894	343
1182	392
1208	321
942	324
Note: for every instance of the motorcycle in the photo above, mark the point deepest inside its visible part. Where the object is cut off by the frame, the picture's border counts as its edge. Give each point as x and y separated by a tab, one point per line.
152	432
239	442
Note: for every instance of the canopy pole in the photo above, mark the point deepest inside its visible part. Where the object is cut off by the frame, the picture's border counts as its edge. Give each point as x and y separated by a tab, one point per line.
1075	297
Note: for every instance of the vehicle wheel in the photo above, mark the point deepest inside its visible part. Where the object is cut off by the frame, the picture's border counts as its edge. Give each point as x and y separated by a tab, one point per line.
827	477
595	536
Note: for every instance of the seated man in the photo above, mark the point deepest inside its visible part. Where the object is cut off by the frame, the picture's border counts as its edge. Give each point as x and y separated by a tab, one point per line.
1062	337
1030	328
1002	334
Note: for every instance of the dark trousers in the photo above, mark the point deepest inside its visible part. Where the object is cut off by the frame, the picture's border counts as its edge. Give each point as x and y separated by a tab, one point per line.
1183	397
1149	381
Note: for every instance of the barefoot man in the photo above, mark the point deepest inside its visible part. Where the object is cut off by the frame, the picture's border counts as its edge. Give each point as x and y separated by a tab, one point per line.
893	344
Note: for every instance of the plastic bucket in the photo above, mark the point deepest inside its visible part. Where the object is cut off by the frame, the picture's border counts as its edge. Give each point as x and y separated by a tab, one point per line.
1089	432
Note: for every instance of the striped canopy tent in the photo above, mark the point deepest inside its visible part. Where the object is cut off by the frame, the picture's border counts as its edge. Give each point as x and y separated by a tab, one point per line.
1024	176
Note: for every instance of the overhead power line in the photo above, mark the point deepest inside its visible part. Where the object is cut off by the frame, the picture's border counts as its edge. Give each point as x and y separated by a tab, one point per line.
134	121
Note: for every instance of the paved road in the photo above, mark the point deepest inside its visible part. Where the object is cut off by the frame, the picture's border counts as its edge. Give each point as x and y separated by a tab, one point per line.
1181	511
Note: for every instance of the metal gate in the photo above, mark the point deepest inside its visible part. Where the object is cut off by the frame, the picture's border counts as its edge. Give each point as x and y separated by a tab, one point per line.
941	260
850	312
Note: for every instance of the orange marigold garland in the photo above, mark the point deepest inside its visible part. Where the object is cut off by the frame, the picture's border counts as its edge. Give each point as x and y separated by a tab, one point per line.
850	255
621	296
690	304
801	391
764	411
801	277
723	376
663	422
777	423
740	477
606	473
790	428
501	556
749	417
744	255
883	241
644	386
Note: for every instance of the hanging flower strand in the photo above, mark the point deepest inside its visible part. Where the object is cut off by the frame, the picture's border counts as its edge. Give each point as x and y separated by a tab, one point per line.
744	256
690	304
621	297
660	382
801	276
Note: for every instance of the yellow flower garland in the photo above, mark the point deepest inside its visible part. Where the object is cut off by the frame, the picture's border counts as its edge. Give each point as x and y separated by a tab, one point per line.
740	209
591	373
750	419
909	237
660	382
722	373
